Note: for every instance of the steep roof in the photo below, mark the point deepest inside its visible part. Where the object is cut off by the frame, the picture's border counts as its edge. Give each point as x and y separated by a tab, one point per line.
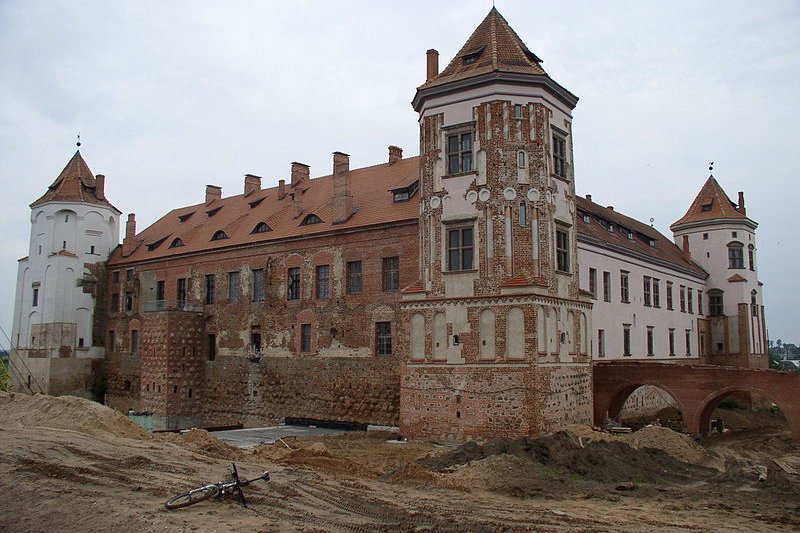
493	47
238	216
614	230
76	183
711	203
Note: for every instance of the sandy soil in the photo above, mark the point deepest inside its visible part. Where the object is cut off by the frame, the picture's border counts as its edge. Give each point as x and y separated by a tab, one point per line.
70	465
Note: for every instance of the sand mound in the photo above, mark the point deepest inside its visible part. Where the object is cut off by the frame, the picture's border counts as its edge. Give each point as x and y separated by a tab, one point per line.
202	442
66	412
678	445
318	458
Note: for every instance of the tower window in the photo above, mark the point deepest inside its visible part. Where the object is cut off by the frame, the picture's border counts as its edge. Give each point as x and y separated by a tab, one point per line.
459	153
517	110
523	214
460	250
521	163
735	255
715	303
559	156
562	249
626	339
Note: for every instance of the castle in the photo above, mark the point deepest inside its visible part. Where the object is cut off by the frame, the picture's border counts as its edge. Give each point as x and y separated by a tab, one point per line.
460	293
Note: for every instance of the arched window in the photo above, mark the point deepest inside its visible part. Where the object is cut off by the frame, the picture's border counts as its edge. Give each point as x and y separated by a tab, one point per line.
715	307
754	302
261	227
751	256
311	219
735	255
219	235
176	243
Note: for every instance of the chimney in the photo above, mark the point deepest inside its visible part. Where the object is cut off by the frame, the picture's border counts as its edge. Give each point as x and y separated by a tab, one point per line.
342	196
100	187
251	184
433	64
741	207
213	192
300	172
130	233
589	197
685	249
395	154
297	204
281	189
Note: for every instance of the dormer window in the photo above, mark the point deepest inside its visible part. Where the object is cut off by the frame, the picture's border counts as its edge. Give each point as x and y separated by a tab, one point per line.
629	234
176	243
155	244
255	203
261	227
219	235
311	219
706	207
214	211
187	216
472	57
402	194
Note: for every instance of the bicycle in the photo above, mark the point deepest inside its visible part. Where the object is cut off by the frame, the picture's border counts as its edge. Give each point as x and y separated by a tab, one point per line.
210	490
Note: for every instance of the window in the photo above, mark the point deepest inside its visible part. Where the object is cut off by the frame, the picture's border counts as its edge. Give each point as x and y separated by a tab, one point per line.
656	293
559	156
293	284
682	292
517	110
112	338
35	297
699	302
754	302
688	342
705	236
134	341
258	285
354	276
733	234
672	341
219	235
115	276
593	282
255	342
735	255
606	286
648	290
176	243
261	227
650	330
624	292
129	275
233	287
706	207
523	214
715	307
128	302
160	294
311	219
91	250
383	338
181	292
305	338
402	194
626	339
601	343
689	298
459	153
391	273
669	295
751	256
211	344
521	159
115	302
322	281
562	249
459	249
210	288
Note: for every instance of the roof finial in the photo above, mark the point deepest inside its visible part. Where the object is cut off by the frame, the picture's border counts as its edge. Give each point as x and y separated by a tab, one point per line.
710	169
79	140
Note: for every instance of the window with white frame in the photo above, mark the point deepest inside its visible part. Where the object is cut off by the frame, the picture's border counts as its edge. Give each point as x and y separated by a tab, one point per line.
460	248
459	152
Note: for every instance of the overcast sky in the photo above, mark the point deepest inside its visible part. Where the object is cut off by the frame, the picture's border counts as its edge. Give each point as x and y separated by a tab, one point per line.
172	95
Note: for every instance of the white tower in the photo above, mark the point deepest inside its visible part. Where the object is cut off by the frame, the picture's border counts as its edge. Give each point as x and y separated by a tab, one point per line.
74	228
719	236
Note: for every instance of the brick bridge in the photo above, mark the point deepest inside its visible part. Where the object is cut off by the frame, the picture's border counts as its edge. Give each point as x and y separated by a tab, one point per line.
696	389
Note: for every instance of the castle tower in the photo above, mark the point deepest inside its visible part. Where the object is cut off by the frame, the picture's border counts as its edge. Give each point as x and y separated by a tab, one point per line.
717	234
497	312
56	336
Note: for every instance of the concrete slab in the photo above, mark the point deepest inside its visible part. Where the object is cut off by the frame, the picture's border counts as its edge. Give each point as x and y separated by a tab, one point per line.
247	438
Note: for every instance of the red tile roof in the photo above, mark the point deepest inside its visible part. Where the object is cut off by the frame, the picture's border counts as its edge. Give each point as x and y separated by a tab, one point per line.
641	236
495	47
76	183
238	216
711	203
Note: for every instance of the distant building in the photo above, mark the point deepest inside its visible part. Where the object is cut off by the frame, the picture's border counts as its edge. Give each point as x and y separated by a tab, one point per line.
461	293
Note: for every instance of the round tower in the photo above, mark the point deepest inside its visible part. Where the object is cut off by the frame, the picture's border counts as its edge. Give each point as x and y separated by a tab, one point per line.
74	228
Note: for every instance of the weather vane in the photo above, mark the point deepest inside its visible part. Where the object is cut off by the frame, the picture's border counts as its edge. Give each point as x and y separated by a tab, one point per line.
711	166
79	140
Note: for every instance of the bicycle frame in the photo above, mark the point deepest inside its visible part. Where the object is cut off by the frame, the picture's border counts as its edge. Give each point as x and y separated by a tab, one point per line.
209	490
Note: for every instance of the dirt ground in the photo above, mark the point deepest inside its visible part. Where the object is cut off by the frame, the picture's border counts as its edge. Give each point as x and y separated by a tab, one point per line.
67	464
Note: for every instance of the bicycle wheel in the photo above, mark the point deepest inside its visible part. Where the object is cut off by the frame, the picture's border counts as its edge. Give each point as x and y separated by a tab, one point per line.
192	497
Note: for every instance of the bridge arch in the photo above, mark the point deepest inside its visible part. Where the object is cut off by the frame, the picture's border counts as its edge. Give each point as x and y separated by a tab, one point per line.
617	398
712	401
